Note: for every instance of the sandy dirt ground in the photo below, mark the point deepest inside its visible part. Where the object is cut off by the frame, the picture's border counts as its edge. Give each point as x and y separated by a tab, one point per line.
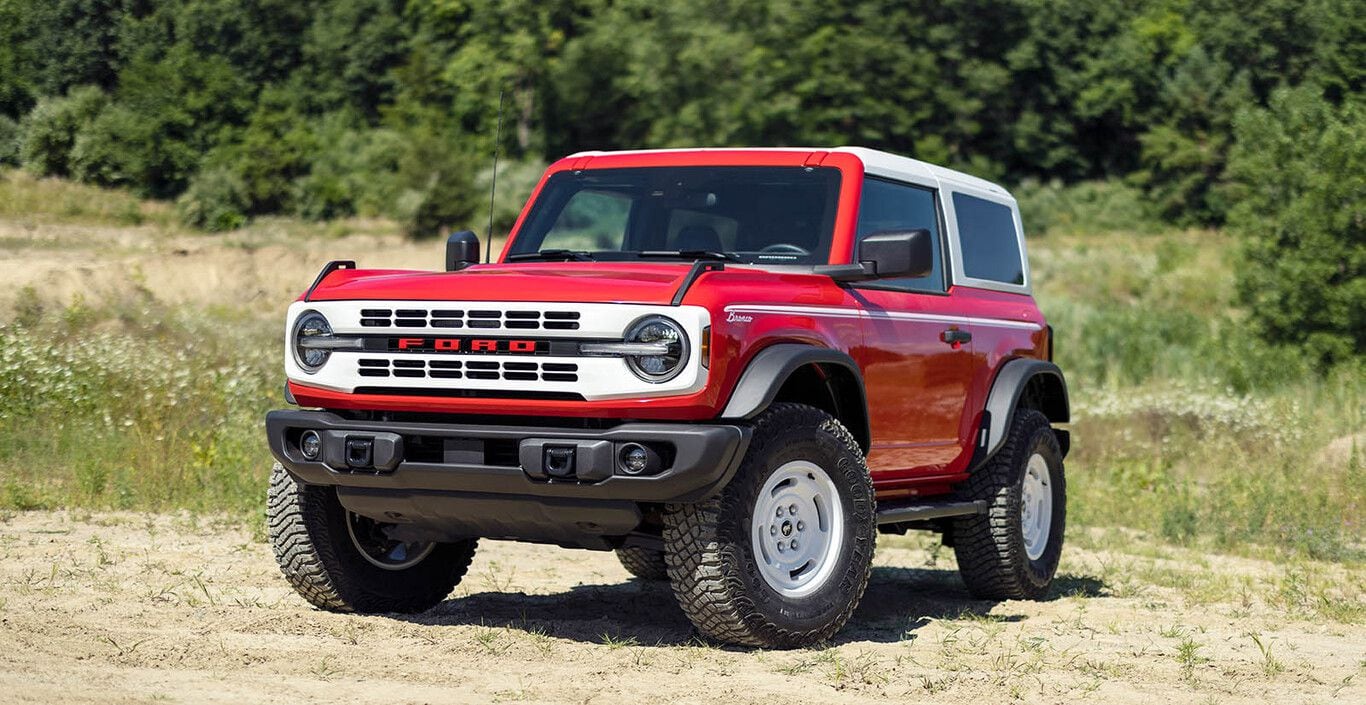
258	270
131	608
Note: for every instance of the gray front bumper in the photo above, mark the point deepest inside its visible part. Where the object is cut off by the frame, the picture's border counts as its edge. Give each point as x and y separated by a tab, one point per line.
703	458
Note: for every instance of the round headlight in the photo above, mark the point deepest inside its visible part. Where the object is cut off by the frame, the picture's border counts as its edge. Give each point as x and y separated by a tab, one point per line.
310	325
658	368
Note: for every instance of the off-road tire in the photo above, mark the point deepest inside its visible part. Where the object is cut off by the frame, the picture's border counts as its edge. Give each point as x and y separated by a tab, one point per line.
990	547
711	562
307	527
644	563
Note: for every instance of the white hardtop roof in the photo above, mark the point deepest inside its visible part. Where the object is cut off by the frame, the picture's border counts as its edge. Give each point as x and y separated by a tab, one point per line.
875	162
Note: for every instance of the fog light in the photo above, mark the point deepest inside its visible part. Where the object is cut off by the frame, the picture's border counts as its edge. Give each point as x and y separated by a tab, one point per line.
310	445
634	459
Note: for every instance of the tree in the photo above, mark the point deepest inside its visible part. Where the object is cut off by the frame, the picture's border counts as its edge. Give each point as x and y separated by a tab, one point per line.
1298	183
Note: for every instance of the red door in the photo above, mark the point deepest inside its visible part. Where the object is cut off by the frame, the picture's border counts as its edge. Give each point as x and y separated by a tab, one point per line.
917	383
917	372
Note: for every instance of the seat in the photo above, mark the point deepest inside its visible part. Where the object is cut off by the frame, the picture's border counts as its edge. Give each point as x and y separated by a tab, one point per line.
698	237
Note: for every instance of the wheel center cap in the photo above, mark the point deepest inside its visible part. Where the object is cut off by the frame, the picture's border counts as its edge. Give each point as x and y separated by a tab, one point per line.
787	528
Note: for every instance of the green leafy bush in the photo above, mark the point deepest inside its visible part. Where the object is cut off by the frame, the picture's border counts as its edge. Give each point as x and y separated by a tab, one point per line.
1298	183
436	200
1085	207
107	151
516	180
355	172
435	180
216	201
9	141
50	130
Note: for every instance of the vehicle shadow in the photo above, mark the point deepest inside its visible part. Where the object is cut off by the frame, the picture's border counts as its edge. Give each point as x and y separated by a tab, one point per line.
897	603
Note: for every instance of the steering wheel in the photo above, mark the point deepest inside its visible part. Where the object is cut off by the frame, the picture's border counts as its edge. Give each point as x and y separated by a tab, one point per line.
786	248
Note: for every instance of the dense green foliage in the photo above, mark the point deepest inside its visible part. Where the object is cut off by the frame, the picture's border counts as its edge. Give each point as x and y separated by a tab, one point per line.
1109	115
331	107
1298	176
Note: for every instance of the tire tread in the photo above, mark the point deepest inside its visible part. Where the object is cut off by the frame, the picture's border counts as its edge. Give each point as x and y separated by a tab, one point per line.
714	598
300	522
989	552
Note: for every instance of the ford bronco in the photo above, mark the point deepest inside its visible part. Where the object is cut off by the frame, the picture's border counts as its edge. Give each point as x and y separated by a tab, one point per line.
733	367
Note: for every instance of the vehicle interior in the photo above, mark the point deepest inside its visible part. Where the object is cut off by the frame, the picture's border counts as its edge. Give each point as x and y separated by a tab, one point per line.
773	215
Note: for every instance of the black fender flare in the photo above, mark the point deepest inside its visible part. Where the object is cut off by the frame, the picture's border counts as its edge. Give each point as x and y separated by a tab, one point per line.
766	373
1010	384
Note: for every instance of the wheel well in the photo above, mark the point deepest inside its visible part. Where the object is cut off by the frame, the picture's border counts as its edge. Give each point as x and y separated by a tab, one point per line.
1046	393
832	389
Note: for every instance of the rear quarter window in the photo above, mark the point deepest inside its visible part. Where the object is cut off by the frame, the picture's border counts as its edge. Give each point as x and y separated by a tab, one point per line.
989	241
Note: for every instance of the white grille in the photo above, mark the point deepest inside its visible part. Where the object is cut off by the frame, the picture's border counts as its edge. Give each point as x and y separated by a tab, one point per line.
476	317
515	370
488	373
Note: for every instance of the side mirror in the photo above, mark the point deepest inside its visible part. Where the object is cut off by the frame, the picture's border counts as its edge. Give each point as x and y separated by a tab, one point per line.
898	254
462	250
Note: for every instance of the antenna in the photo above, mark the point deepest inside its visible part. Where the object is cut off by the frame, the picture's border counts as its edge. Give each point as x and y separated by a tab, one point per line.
493	181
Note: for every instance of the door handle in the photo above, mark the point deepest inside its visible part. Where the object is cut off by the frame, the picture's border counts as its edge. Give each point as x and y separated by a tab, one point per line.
955	337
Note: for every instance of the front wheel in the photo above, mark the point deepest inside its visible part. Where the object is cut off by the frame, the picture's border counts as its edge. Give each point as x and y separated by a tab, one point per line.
345	562
1012	551
782	556
644	563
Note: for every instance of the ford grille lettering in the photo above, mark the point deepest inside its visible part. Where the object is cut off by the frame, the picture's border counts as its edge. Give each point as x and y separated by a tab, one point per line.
469	345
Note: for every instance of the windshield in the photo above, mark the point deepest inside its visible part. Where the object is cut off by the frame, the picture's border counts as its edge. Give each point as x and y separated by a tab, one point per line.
762	215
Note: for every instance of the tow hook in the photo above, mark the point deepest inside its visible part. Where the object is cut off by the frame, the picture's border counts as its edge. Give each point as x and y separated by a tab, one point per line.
360	452
559	461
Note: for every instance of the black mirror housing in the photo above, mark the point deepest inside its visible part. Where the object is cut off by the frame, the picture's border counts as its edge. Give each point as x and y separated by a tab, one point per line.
898	254
462	250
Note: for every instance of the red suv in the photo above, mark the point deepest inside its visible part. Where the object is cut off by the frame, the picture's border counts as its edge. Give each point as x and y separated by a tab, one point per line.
733	367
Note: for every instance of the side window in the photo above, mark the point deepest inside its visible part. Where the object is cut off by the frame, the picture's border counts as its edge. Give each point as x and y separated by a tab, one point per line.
986	232
590	220
891	206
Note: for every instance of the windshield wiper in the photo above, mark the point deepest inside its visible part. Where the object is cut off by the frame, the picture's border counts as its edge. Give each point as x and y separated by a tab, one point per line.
553	255
692	254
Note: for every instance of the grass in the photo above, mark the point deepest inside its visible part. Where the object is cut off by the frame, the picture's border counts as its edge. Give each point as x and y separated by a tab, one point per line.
27	198
134	408
1188	430
1186	426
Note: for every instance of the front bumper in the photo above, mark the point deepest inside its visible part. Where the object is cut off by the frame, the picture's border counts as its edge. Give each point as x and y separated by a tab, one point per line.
454	480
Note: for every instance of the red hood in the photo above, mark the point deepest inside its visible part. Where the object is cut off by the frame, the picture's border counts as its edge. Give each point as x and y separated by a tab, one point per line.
600	282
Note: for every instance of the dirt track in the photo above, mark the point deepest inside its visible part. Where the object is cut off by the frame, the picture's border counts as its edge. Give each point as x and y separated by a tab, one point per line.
123	608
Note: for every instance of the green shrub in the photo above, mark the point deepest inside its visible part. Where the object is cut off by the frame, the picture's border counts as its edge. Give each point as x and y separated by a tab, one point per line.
9	141
50	130
1085	207
1298	181
439	204
355	172
215	201
516	180
436	192
270	153
107	150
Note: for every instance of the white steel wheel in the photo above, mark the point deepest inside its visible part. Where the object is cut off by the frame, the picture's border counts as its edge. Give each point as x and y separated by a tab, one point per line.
372	541
1036	507
797	529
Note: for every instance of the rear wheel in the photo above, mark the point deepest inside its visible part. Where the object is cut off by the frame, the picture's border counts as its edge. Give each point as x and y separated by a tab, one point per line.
644	563
345	562
1012	551
781	557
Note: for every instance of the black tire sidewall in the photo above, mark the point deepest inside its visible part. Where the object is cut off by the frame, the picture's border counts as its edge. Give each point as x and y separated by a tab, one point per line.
369	587
816	609
1038	573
